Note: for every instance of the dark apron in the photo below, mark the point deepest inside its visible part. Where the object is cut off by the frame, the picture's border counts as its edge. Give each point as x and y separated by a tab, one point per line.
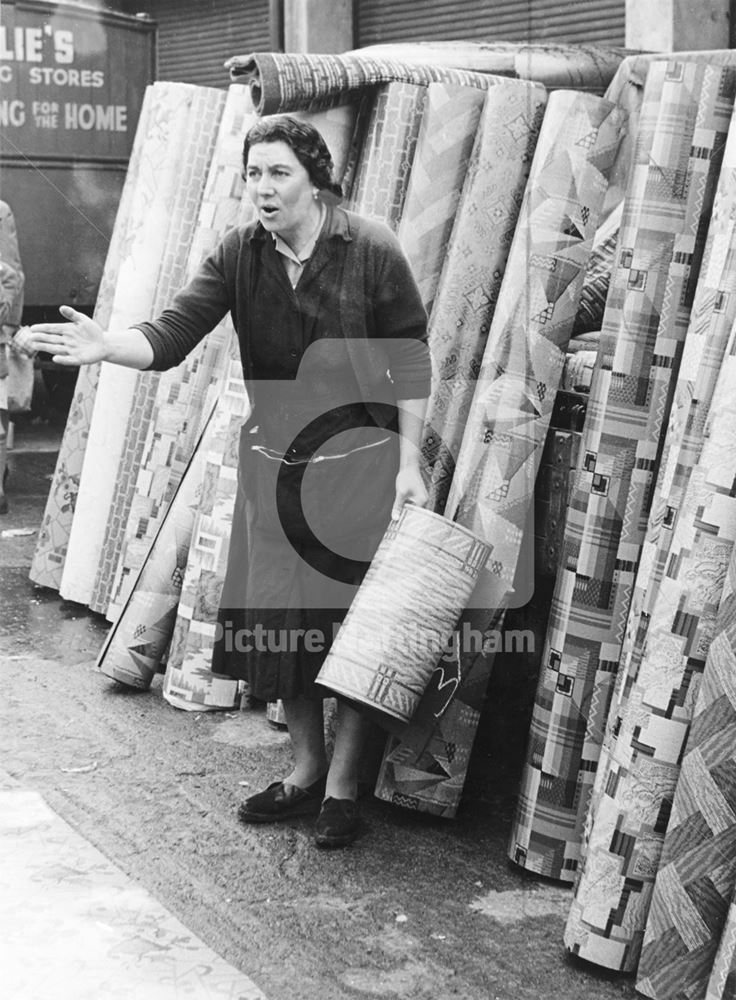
314	499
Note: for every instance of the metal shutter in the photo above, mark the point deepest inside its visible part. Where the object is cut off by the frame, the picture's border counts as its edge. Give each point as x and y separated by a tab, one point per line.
195	37
583	21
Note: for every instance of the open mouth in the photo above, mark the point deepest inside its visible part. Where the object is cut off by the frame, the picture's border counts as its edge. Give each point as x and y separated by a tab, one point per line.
268	210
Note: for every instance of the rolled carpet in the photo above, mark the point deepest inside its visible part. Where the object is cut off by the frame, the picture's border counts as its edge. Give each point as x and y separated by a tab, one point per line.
156	197
713	314
199	144
282	81
682	133
49	556
390	142
573	67
474	269
493	487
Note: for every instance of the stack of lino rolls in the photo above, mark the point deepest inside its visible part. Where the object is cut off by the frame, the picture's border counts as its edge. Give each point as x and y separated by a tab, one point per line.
688	947
176	420
184	394
188	682
670	192
474	267
173	133
493	486
287	81
630	811
53	537
150	387
658	684
385	156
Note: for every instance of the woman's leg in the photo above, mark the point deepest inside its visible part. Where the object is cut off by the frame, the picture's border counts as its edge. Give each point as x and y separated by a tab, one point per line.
306	731
4	421
342	777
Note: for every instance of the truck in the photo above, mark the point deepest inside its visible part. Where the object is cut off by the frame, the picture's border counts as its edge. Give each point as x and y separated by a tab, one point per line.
72	81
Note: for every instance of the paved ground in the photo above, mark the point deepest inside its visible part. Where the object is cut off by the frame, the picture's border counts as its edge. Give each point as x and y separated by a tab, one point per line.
418	908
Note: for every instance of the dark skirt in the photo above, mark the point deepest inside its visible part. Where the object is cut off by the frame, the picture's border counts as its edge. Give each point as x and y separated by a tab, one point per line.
289	581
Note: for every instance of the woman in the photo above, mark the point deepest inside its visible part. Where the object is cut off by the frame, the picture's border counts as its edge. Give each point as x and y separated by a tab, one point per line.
332	337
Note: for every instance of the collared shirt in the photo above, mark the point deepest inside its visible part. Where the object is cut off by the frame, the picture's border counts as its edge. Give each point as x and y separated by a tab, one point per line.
295	265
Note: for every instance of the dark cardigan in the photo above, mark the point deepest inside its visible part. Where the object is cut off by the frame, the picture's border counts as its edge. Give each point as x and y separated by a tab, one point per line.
380	312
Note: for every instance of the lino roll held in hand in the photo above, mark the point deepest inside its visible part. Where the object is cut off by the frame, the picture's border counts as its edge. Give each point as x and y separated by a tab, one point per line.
402	618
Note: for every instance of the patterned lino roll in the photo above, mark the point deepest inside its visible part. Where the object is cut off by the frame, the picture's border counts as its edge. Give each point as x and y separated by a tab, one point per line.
697	875
474	268
382	178
189	683
626	89
136	643
446	139
649	726
684	120
292	81
401	620
508	422
138	275
714	311
177	417
559	66
198	145
53	536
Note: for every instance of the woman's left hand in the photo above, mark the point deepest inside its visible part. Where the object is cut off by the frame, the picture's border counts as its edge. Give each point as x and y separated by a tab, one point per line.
410	488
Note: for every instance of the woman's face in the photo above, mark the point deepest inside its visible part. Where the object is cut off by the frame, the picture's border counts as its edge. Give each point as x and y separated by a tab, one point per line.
280	188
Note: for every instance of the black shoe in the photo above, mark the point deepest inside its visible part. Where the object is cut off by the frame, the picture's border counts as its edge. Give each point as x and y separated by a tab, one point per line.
337	824
282	801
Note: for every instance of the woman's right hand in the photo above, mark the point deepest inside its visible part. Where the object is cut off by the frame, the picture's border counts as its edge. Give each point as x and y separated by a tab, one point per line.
80	341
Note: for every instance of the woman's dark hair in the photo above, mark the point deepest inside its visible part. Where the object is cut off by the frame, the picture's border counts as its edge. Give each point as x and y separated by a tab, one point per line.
306	143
